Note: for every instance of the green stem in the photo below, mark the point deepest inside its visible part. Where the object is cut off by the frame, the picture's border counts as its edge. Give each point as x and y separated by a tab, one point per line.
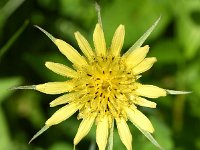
13	39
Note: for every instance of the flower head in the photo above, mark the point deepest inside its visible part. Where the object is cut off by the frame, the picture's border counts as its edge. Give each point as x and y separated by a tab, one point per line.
103	86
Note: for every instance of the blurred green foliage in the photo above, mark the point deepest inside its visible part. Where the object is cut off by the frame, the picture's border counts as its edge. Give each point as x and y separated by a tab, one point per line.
24	50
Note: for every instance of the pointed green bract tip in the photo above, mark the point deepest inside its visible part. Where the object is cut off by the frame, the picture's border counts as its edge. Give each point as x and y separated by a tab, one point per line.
142	39
173	92
110	138
39	133
45	32
28	87
74	147
52	104
98	10
149	137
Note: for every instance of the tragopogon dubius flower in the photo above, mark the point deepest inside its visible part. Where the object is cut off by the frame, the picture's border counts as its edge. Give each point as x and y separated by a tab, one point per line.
103	86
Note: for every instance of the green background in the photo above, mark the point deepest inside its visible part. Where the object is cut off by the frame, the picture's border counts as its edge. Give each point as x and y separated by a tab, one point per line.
24	49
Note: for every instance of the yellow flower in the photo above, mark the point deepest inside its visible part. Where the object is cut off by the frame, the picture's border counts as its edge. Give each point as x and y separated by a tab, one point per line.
103	86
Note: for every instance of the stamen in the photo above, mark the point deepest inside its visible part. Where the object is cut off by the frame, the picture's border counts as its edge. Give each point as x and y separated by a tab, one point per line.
89	75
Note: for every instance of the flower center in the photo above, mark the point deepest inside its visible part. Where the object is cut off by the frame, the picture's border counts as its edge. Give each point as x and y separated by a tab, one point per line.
107	84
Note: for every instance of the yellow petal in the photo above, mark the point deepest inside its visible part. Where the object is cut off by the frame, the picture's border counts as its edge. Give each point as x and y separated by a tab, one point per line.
138	118
55	87
62	114
66	49
145	65
102	133
84	45
99	41
70	52
61	69
84	128
143	102
136	56
62	99
150	91
66	98
124	133
117	41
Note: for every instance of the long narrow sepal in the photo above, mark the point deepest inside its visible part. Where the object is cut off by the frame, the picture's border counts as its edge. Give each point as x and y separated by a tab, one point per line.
110	138
98	10
141	40
46	33
39	133
173	92
27	87
150	137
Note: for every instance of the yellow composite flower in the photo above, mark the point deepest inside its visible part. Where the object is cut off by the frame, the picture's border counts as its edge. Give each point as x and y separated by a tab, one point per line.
103	86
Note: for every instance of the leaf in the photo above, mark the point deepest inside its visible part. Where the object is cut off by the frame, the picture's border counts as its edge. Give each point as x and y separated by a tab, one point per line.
80	14
187	27
61	146
8	9
5	139
136	19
